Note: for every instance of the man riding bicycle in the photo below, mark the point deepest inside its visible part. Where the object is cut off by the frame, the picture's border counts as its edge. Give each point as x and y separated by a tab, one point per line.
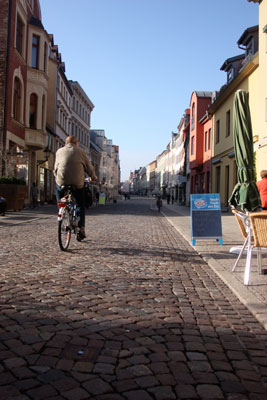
71	165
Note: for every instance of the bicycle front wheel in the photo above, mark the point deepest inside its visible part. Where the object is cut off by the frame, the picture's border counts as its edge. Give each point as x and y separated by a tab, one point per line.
64	230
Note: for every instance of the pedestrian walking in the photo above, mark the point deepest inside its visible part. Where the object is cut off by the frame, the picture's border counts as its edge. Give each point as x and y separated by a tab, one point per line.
168	198
96	198
34	194
262	188
159	202
172	198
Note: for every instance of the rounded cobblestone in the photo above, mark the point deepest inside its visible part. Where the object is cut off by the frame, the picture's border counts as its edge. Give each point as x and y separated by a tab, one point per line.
132	312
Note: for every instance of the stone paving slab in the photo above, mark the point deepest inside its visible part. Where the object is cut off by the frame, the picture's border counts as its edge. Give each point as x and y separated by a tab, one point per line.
219	258
132	312
27	215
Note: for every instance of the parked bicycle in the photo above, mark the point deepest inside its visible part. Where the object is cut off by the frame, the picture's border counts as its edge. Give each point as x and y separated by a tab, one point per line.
67	219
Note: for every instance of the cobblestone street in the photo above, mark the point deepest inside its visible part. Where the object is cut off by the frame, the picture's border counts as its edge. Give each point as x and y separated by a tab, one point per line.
133	313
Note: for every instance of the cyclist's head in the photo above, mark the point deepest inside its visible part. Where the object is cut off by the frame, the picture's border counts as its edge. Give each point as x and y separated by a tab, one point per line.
72	140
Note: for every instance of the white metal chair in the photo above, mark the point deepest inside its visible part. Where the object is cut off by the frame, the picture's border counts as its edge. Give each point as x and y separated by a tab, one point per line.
244	225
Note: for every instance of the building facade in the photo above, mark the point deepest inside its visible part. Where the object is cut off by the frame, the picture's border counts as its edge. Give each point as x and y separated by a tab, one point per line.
244	76
81	108
260	126
26	84
199	166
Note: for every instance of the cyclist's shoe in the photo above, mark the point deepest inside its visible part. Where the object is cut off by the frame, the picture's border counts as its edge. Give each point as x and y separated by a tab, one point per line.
81	234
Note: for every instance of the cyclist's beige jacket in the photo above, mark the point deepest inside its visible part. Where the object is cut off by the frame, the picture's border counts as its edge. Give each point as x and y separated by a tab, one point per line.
71	165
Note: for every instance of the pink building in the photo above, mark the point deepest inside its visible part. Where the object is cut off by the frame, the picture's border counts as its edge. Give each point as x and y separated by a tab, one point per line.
200	142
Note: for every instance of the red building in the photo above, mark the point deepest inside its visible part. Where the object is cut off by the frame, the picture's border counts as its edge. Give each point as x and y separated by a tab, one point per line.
26	81
200	143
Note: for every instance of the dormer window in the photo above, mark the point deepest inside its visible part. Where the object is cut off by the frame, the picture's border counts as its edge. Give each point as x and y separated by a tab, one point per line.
230	74
250	47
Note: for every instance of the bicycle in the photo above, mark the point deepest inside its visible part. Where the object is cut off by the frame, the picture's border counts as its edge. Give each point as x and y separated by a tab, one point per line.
67	219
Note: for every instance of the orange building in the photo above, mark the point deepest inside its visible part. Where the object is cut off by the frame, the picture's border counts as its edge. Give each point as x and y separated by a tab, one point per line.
200	142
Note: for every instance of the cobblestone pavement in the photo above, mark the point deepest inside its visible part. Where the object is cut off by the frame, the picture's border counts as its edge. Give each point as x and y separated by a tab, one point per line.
133	313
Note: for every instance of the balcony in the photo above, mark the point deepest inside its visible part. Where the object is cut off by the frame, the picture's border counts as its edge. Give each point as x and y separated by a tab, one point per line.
35	139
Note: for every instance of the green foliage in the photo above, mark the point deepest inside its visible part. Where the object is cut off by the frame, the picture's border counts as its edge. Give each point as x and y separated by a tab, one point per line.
12	180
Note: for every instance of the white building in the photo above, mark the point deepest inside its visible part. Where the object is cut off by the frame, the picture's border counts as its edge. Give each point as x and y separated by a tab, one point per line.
81	115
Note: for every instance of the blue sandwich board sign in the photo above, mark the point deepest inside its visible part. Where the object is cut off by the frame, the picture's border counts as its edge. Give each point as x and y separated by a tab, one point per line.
206	220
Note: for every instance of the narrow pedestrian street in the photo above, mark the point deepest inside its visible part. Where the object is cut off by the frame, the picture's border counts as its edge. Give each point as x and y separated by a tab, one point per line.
132	312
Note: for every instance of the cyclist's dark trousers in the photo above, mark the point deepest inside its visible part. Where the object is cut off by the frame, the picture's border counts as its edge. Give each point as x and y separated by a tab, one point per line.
80	200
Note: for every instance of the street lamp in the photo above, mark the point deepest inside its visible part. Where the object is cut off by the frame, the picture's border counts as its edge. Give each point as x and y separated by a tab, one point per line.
46	152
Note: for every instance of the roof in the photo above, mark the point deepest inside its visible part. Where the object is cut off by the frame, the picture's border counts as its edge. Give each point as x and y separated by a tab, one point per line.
36	22
203	94
245	35
231	60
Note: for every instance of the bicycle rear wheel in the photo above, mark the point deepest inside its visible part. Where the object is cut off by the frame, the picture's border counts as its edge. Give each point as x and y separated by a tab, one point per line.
64	230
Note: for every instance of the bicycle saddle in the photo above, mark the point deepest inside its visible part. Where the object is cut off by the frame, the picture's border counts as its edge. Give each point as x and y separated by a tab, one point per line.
68	187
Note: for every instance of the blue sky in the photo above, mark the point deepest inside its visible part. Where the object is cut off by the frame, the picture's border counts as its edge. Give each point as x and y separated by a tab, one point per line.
140	60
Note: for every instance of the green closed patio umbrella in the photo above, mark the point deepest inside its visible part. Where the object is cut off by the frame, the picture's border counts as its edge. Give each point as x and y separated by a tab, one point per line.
245	193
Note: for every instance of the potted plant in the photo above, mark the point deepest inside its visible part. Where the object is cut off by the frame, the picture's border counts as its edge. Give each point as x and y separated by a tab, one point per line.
14	190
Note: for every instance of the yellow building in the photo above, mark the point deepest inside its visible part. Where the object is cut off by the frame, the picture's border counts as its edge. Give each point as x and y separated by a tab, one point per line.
242	73
260	126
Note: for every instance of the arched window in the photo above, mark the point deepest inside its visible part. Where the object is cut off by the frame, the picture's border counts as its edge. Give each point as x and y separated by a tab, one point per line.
17	99
193	117
43	112
33	111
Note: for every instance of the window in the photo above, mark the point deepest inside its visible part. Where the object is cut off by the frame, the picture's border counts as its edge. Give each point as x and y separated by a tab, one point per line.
43	113
250	47
17	99
230	74
192	145
207	184
209	146
218	179
206	140
217	131
202	183
19	36
33	111
196	190
228	123
193	117
226	191
35	51
45	57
